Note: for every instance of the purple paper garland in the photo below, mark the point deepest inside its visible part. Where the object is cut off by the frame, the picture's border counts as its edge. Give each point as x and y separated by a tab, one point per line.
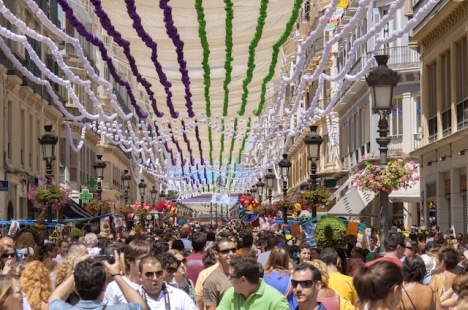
146	38
105	57
117	36
176	142
156	129
171	31
192	160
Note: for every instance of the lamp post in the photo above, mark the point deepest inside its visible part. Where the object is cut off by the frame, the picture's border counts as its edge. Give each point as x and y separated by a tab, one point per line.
142	189
313	141
253	191
285	165
382	80
48	142
126	177
99	166
269	177
154	196
260	186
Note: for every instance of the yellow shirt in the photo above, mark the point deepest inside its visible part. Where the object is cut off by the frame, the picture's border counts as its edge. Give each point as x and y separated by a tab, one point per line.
202	277
343	285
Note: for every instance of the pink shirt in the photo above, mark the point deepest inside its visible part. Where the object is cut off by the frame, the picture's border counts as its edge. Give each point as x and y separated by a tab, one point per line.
330	302
194	266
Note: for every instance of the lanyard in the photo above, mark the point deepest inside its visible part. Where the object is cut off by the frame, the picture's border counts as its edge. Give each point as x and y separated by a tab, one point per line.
167	302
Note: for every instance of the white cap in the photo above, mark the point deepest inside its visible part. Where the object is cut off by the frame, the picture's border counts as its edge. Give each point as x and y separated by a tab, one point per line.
428	261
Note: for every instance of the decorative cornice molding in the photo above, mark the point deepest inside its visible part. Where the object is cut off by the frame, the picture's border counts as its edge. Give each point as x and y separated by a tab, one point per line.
25	93
13	82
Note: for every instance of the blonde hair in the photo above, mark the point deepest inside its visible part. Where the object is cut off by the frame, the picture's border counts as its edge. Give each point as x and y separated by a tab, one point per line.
35	282
278	260
175	252
65	268
322	267
6	287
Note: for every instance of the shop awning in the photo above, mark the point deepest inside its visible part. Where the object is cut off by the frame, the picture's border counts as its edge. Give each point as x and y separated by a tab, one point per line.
73	210
352	203
407	195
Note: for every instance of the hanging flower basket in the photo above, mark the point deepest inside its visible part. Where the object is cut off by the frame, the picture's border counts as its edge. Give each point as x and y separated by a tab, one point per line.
45	195
95	207
319	198
124	209
398	173
281	204
142	211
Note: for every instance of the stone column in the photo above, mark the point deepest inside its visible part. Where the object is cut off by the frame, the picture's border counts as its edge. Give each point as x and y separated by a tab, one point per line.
457	201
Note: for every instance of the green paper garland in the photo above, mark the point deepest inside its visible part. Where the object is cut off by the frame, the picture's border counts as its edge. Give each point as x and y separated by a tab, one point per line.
232	177
206	53
243	141
227	63
222	145
274	58
232	142
253	45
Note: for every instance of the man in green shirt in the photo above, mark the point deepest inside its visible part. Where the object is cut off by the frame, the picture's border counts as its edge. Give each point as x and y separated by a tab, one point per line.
249	291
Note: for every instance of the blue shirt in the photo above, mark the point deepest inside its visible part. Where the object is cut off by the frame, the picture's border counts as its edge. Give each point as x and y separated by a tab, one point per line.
58	304
320	307
187	243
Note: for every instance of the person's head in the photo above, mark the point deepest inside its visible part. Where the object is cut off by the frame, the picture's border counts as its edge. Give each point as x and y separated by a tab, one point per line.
48	250
90	240
111	237
306	281
460	285
329	256
300	238
379	284
323	270
356	253
159	247
170	264
447	259
225	250
6	241
421	237
198	241
395	242
271	242
432	248
24	250
7	252
63	247
151	274
210	236
459	238
90	278
372	241
278	260
178	245
408	248
209	258
435	229
11	295
183	234
35	281
304	252
243	273
414	269
133	252
314	253
76	248
182	262
247	241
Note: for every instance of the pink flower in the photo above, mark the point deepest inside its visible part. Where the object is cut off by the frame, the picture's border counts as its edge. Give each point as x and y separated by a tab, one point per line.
377	169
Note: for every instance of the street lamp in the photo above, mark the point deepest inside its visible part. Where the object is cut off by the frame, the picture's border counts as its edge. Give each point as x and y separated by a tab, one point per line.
270	178
48	142
99	166
126	177
162	196
382	80
285	165
154	195
260	186
313	141
253	191
142	189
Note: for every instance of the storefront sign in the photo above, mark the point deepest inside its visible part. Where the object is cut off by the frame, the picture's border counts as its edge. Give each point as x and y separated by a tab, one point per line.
3	186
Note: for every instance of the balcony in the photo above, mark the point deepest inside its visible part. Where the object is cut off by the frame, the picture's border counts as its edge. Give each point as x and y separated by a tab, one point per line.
462	115
401	57
313	55
396	144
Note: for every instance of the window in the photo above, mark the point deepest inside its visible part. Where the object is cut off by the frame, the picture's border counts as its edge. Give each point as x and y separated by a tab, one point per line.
30	135
23	136
396	118
417	99
73	163
446	98
9	127
62	152
461	59
432	101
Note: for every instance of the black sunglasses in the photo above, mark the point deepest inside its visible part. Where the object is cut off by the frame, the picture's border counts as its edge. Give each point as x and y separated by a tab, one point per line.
150	274
304	284
25	255
7	255
182	261
230	277
171	270
226	251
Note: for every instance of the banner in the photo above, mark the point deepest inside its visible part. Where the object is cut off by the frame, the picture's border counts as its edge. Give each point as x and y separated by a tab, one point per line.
220	198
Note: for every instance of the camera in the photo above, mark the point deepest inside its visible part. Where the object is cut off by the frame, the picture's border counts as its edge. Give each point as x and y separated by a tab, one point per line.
110	258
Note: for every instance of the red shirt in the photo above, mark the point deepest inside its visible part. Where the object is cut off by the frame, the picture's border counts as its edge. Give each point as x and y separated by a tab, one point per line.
395	260
194	266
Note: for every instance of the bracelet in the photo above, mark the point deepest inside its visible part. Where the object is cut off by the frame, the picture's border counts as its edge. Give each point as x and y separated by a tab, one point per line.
117	274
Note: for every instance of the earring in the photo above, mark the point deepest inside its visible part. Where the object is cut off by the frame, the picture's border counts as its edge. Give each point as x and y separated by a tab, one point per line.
394	304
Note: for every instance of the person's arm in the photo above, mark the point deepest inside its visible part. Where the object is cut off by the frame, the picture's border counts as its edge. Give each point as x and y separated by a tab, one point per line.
129	293
199	293
63	290
226	301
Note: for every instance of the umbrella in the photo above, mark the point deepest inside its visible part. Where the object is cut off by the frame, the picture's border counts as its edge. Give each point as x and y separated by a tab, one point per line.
250	218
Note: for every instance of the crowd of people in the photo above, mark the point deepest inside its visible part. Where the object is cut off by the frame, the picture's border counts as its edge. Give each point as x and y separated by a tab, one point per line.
232	267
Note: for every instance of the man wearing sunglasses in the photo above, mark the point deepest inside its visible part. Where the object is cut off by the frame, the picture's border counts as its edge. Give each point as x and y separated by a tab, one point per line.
306	282
217	283
158	294
249	291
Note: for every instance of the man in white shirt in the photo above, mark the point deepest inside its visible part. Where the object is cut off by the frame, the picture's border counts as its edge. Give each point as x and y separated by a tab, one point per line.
62	251
133	253
157	293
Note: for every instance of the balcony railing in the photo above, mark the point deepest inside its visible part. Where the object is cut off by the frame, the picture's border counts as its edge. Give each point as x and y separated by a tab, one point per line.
462	114
401	57
45	7
304	14
70	50
396	144
316	47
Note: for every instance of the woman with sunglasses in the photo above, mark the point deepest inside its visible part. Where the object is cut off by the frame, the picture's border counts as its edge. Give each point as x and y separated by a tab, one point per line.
11	296
8	254
170	264
181	276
